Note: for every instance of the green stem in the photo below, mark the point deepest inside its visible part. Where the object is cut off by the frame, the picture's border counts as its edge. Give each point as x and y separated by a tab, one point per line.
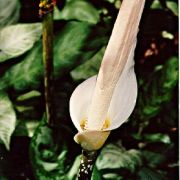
86	165
48	65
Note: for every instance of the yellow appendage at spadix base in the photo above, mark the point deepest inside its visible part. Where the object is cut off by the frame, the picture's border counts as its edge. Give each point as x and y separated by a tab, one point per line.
106	125
91	140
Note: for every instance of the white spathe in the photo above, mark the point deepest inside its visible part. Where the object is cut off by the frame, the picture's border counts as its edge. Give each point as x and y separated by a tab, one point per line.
104	102
122	102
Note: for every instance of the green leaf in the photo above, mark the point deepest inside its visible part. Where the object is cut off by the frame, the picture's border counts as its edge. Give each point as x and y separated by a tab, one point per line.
17	39
112	176
30	109
152	138
114	157
96	174
26	127
111	1
9	12
72	46
48	153
156	5
28	95
69	47
20	129
150	111
149	174
89	68
170	74
7	119
158	137
72	174
79	10
159	89
26	74
31	126
173	6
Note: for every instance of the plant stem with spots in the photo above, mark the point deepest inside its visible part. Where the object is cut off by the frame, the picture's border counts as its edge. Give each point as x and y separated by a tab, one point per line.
86	165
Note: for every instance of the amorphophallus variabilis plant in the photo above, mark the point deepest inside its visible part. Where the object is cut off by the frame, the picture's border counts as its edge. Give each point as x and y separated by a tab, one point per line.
103	102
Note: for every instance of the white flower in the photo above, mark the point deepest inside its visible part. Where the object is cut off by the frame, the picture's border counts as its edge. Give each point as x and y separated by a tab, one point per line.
104	102
122	102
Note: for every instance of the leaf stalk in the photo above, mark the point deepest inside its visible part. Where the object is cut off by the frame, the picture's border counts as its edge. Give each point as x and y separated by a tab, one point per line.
48	64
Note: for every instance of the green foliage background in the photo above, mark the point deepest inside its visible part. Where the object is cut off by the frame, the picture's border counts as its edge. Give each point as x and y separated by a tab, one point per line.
146	147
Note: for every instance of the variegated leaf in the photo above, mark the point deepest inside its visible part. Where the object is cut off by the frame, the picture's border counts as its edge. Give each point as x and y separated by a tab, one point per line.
17	39
7	119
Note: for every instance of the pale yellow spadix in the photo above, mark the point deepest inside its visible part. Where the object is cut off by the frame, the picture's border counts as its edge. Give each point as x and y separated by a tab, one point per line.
104	102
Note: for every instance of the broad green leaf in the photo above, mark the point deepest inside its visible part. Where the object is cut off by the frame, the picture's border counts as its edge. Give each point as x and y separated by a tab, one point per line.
26	74
79	10
149	174
73	45
48	153
114	157
69	46
173	6
17	39
7	119
9	12
89	68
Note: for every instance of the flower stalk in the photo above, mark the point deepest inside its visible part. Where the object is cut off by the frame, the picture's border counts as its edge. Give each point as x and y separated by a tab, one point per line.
45	11
87	163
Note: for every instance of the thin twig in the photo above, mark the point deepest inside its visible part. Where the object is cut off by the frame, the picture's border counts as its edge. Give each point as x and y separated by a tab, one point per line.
86	165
